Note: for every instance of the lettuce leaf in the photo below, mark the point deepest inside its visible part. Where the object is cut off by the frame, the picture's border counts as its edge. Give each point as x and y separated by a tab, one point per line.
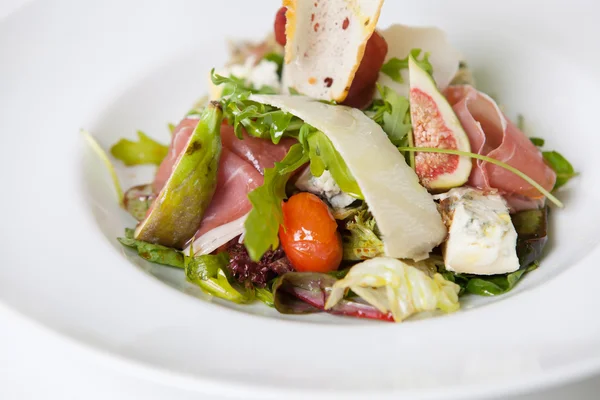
138	199
563	168
391	285
394	66
144	151
262	224
208	272
538	142
360	242
307	292
265	295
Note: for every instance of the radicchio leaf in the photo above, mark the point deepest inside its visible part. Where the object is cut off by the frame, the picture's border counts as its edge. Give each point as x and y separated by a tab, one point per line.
307	292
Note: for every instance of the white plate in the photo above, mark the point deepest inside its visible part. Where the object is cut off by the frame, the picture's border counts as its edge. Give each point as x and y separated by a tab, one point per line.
117	66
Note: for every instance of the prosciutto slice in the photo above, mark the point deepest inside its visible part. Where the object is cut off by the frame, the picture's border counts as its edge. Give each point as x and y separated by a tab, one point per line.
241	169
492	134
235	180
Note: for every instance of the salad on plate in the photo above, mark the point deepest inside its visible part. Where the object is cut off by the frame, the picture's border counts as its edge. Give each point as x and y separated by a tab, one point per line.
336	167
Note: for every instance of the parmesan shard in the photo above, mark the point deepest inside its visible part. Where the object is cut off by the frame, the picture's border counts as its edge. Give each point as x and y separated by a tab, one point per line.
401	39
325	44
405	212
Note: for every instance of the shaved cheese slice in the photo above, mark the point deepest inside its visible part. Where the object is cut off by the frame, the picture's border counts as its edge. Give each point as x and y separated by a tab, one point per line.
405	212
444	58
325	44
215	238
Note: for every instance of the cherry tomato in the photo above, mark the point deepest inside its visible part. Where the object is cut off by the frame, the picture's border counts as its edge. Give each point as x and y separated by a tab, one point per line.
309	234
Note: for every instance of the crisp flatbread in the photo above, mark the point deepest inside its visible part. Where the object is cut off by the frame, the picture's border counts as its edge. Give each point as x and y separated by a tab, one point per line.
326	41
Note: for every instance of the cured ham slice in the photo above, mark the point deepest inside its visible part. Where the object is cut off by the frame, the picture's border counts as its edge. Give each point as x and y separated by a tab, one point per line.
241	169
236	179
492	134
261	153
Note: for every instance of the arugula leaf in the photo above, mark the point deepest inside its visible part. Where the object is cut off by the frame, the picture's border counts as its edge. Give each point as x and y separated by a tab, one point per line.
145	151
153	252
262	224
323	156
563	168
396	118
277	59
171	128
258	120
208	272
394	66
392	113
539	142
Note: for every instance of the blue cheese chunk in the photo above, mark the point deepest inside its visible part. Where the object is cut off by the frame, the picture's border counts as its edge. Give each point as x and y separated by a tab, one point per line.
324	186
481	237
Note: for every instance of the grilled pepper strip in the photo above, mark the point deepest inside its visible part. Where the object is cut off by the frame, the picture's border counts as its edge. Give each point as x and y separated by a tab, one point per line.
178	209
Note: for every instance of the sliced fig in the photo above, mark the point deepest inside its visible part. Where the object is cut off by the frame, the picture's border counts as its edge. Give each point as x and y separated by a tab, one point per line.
178	209
435	125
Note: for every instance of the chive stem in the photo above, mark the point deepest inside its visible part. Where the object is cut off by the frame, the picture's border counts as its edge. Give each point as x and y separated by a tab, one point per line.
499	163
104	157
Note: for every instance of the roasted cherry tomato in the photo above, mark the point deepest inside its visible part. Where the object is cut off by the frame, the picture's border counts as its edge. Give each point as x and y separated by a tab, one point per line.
280	21
309	234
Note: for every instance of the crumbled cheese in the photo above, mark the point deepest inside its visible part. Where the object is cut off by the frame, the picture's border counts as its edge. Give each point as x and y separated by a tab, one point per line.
481	237
324	186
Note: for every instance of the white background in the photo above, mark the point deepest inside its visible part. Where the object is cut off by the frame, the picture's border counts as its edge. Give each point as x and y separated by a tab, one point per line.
35	364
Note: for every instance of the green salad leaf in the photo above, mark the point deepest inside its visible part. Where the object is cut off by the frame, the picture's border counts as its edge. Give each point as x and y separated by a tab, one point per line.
208	272
493	285
323	156
394	66
265	295
396	118
144	151
138	199
258	120
153	252
392	112
262	224
563	168
539	142
359	239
